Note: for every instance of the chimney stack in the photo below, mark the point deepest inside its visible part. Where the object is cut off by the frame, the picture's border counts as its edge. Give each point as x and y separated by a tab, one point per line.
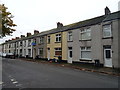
36	32
107	11
22	36
59	25
17	37
13	38
28	34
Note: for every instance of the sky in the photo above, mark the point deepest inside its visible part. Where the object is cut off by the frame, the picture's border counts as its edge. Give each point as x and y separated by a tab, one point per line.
42	15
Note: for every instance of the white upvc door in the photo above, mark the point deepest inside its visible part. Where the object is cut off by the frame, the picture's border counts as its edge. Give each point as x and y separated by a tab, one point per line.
48	54
107	57
70	55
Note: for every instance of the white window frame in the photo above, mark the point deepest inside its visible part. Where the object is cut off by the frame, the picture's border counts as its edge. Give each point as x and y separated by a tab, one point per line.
40	49
29	42
58	49
41	39
58	38
48	39
85	50
25	43
85	32
107	28
70	35
29	52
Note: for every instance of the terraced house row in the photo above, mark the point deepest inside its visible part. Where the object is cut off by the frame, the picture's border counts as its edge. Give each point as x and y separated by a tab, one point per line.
85	41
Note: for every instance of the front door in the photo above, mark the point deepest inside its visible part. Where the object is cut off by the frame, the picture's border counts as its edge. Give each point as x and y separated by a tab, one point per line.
107	57
70	55
48	54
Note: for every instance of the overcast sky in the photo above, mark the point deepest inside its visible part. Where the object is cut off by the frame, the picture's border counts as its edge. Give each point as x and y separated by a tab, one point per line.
30	15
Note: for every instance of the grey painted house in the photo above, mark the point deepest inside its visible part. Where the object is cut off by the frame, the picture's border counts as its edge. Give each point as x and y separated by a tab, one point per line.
95	39
39	49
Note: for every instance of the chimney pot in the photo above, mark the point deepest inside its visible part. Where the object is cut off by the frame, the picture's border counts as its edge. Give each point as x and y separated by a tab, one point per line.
22	36
59	25
36	31
107	11
28	34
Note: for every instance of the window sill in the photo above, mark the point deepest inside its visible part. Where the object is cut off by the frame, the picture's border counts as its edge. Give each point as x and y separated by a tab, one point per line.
57	55
40	43
86	40
69	41
85	59
107	38
57	42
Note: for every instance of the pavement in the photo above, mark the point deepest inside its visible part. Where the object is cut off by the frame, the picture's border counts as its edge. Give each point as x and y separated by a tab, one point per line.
82	67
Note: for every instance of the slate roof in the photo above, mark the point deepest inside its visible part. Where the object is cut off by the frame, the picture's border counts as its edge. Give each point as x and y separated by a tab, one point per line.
84	23
112	16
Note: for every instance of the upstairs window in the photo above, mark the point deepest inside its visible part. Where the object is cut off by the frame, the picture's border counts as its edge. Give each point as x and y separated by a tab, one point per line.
29	42
20	43
70	37
58	37
48	39
24	43
107	31
34	41
17	44
41	40
85	34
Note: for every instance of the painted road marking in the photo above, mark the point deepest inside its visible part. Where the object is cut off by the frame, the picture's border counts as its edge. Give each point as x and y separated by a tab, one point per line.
12	80
15	82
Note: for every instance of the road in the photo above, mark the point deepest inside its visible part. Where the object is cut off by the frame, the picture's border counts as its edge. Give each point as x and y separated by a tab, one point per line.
25	74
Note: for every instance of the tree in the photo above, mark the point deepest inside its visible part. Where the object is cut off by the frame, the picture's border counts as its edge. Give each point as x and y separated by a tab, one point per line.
6	22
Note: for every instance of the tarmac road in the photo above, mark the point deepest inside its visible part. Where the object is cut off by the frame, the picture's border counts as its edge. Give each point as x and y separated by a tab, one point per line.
24	74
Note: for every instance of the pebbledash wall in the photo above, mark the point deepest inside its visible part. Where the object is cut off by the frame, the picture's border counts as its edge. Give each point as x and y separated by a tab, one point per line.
85	41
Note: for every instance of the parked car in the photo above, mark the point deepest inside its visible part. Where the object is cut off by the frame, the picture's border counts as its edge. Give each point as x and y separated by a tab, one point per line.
4	54
10	55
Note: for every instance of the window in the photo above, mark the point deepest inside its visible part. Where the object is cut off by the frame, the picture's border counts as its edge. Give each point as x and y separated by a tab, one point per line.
24	43
29	52
70	38
58	37
9	46
48	39
21	43
29	42
34	41
20	52
40	51
41	40
17	44
58	51
85	34
86	53
107	31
